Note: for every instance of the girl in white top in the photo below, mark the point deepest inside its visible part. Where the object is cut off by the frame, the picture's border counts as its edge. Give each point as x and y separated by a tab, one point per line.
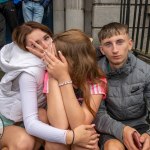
22	99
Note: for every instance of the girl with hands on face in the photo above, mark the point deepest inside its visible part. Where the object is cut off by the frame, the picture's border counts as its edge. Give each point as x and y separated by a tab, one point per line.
76	85
84	135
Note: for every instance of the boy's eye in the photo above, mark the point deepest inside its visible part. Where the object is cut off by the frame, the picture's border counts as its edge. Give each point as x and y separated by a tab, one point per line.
119	42
108	44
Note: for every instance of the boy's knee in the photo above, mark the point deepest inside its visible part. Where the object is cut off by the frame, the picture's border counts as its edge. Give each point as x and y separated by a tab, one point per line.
113	145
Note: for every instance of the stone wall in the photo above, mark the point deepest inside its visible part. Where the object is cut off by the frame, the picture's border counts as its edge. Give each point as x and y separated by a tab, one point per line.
91	15
106	11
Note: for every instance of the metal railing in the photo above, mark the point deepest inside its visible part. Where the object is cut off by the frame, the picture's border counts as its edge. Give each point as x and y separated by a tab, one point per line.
136	14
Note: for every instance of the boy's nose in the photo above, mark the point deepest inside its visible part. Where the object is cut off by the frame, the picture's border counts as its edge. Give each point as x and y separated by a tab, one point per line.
114	48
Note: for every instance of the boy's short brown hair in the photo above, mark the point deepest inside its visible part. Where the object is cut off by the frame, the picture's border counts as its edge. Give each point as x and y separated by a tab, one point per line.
112	29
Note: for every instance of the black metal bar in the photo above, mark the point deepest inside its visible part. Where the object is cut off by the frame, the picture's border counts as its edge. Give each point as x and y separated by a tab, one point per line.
140	18
143	26
121	9
134	20
148	37
138	24
128	12
124	9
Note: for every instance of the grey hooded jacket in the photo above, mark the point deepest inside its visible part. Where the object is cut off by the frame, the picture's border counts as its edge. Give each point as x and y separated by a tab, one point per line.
127	99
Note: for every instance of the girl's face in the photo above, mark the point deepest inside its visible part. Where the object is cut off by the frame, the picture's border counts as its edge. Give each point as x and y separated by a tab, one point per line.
40	37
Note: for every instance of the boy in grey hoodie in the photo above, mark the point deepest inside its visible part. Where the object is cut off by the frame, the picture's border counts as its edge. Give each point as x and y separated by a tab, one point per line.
125	109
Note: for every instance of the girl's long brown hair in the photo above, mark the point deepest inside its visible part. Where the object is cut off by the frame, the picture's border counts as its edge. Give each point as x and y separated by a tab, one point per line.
81	57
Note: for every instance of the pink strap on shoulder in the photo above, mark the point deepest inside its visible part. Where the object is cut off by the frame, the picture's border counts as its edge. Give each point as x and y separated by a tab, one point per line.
45	89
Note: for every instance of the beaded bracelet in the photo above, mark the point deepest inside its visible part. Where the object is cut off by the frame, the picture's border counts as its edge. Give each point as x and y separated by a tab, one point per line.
64	83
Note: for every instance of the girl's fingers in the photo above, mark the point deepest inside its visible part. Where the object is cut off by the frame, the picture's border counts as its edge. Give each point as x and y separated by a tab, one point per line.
93	142
36	46
50	49
53	49
52	59
88	127
90	146
95	136
48	61
50	64
35	52
62	58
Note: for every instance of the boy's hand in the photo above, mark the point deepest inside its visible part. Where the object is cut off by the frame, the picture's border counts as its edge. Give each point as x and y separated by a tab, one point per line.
128	139
136	139
145	140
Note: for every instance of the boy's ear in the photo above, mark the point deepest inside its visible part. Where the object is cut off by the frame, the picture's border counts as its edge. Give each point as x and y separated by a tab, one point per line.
101	49
130	44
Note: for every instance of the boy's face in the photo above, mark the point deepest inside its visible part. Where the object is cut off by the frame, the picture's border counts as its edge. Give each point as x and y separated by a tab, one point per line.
116	49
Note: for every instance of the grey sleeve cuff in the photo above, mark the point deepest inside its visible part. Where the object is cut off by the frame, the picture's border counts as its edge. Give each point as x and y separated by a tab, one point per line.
148	132
118	131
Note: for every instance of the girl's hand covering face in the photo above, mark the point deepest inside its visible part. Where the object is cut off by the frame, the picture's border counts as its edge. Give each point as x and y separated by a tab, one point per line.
39	50
56	67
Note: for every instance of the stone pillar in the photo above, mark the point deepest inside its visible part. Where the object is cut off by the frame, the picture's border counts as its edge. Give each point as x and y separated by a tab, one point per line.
75	14
103	12
58	16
